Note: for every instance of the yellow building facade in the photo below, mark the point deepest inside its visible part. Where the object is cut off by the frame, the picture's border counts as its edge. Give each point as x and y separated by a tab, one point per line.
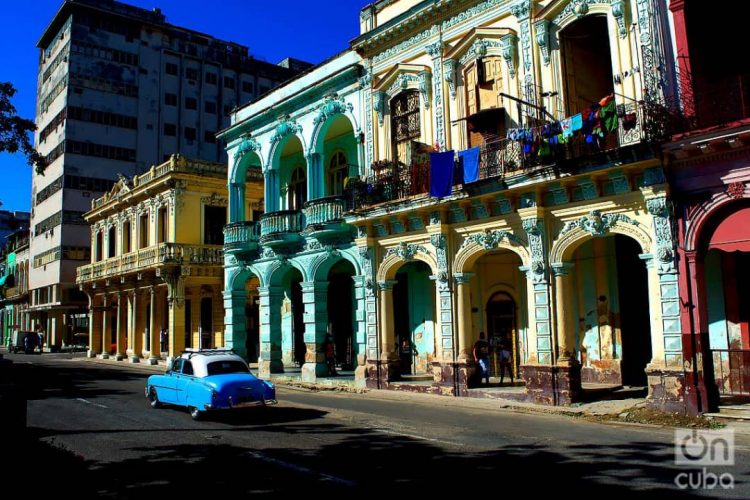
156	274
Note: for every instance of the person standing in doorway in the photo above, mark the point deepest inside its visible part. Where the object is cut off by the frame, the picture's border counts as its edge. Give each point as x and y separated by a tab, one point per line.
163	340
504	359
330	355
406	351
482	357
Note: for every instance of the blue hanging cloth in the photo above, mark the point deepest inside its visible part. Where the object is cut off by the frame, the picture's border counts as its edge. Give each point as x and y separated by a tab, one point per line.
441	174
470	162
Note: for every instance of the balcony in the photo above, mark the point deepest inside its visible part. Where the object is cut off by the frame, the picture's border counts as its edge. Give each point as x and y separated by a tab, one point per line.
324	217
504	162
280	229
15	292
709	105
160	255
241	237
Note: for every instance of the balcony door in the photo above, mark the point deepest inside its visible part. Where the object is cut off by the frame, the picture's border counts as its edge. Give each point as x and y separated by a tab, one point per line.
587	63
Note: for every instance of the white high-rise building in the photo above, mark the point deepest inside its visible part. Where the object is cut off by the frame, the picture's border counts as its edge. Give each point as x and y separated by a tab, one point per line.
119	90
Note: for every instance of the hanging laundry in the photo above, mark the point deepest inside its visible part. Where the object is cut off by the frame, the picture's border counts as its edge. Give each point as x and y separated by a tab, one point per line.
441	173
608	115
576	122
470	162
567	127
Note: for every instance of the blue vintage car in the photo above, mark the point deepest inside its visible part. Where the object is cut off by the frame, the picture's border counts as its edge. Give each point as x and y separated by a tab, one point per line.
209	380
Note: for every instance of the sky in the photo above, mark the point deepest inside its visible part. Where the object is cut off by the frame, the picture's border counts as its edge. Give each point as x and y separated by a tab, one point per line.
308	30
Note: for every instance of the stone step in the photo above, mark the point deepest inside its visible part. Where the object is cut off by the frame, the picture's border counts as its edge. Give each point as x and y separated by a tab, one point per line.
731	413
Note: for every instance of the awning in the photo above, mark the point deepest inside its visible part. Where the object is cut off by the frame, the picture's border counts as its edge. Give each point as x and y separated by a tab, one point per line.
733	233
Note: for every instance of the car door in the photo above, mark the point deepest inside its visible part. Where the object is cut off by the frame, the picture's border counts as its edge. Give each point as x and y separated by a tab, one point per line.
167	383
183	381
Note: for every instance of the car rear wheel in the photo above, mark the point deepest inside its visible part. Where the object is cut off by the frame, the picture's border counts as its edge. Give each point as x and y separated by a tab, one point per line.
153	399
195	413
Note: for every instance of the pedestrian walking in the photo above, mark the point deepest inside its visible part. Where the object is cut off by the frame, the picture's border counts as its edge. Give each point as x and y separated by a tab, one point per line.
482	357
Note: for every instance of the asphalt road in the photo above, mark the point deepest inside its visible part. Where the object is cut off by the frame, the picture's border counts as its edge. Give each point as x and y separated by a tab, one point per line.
92	434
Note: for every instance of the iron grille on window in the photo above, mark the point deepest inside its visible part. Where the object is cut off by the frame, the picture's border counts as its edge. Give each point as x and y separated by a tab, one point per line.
405	110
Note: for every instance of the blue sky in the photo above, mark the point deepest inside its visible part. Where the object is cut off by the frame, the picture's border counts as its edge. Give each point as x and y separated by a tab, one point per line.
273	30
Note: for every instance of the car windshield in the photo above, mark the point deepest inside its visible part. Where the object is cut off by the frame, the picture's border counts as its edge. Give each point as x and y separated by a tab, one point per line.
227	366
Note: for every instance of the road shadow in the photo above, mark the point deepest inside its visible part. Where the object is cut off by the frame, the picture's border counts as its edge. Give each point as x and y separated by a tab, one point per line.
356	461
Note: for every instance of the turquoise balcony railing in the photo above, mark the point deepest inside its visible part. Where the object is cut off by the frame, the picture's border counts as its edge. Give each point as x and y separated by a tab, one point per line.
241	236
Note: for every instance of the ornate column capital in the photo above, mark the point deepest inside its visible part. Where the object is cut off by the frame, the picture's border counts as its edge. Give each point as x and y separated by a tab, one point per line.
462	278
386	285
561	268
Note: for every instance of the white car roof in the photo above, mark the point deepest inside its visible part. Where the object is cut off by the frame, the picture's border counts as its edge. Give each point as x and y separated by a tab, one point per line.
201	360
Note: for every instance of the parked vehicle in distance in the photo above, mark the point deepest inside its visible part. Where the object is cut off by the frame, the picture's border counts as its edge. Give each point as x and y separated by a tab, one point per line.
24	341
209	380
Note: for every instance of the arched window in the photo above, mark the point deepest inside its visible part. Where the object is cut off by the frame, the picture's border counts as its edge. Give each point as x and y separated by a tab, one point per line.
405	121
337	172
297	192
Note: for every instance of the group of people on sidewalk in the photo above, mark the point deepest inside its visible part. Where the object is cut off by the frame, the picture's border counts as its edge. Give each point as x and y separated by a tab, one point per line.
481	352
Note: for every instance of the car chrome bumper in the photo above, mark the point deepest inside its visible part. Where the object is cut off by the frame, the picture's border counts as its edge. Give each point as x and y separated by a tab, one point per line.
249	404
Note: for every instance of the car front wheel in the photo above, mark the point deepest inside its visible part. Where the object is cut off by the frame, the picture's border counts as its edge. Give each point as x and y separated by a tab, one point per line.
153	399
195	413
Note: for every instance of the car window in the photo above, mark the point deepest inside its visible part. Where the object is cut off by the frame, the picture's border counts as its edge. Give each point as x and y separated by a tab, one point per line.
187	368
227	366
177	365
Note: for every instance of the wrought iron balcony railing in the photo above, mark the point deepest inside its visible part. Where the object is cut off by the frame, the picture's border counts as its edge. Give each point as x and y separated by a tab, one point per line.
639	124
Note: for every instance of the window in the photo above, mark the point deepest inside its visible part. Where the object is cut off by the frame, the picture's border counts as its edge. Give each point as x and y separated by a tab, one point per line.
99	244
171	69
191	73
111	242
190	133
214	219
170	129
163	222
337	172
247	87
170	99
143	225
297	189
209	137
187	367
191	103
223	367
229	82
209	107
126	237
405	125
211	78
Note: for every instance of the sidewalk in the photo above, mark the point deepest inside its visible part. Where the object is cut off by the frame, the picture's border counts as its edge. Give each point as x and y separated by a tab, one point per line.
629	411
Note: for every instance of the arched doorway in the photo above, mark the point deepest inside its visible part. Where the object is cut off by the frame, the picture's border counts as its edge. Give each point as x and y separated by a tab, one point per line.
587	62
498	290
292	174
414	311
726	247
502	330
341	307
252	319
611	307
292	319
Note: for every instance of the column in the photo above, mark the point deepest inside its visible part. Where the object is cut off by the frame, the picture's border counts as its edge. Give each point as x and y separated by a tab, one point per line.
237	202
270	331
235	327
387	325
153	329
463	292
94	328
134	339
315	303
106	336
120	355
566	337
176	329
360	334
